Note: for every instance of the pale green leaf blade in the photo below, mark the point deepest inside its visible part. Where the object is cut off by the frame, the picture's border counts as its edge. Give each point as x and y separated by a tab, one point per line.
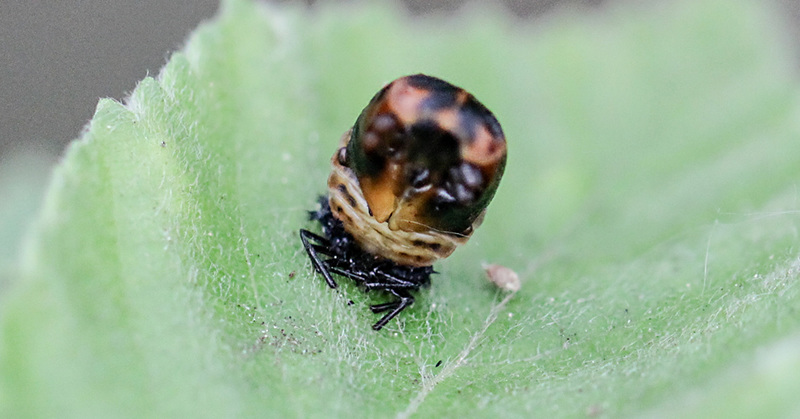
649	205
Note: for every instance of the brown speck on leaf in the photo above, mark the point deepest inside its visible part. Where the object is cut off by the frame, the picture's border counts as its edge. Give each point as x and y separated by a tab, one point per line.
594	410
503	277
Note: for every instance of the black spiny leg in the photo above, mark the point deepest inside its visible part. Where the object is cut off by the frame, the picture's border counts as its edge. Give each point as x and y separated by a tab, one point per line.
321	246
397	306
336	252
380	308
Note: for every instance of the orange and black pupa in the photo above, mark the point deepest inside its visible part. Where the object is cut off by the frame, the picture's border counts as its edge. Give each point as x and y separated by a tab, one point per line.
409	183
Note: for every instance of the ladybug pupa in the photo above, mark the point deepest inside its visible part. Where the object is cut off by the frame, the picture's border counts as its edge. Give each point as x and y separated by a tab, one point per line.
409	183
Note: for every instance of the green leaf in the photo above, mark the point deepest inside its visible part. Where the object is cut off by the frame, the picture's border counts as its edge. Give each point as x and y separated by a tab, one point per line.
650	207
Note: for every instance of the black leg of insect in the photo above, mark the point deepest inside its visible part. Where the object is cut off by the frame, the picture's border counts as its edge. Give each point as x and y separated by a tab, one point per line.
410	182
322	245
405	300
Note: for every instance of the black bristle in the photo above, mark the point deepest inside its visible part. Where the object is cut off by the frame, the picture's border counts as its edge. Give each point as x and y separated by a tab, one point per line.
346	258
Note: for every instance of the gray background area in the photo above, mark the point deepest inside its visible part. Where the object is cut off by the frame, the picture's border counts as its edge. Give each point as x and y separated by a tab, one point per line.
58	58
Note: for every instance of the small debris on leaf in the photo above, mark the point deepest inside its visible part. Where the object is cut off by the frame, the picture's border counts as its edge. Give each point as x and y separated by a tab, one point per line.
503	277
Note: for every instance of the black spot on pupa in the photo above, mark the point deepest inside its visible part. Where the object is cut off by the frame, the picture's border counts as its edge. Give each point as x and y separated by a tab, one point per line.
474	114
422	81
437	100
